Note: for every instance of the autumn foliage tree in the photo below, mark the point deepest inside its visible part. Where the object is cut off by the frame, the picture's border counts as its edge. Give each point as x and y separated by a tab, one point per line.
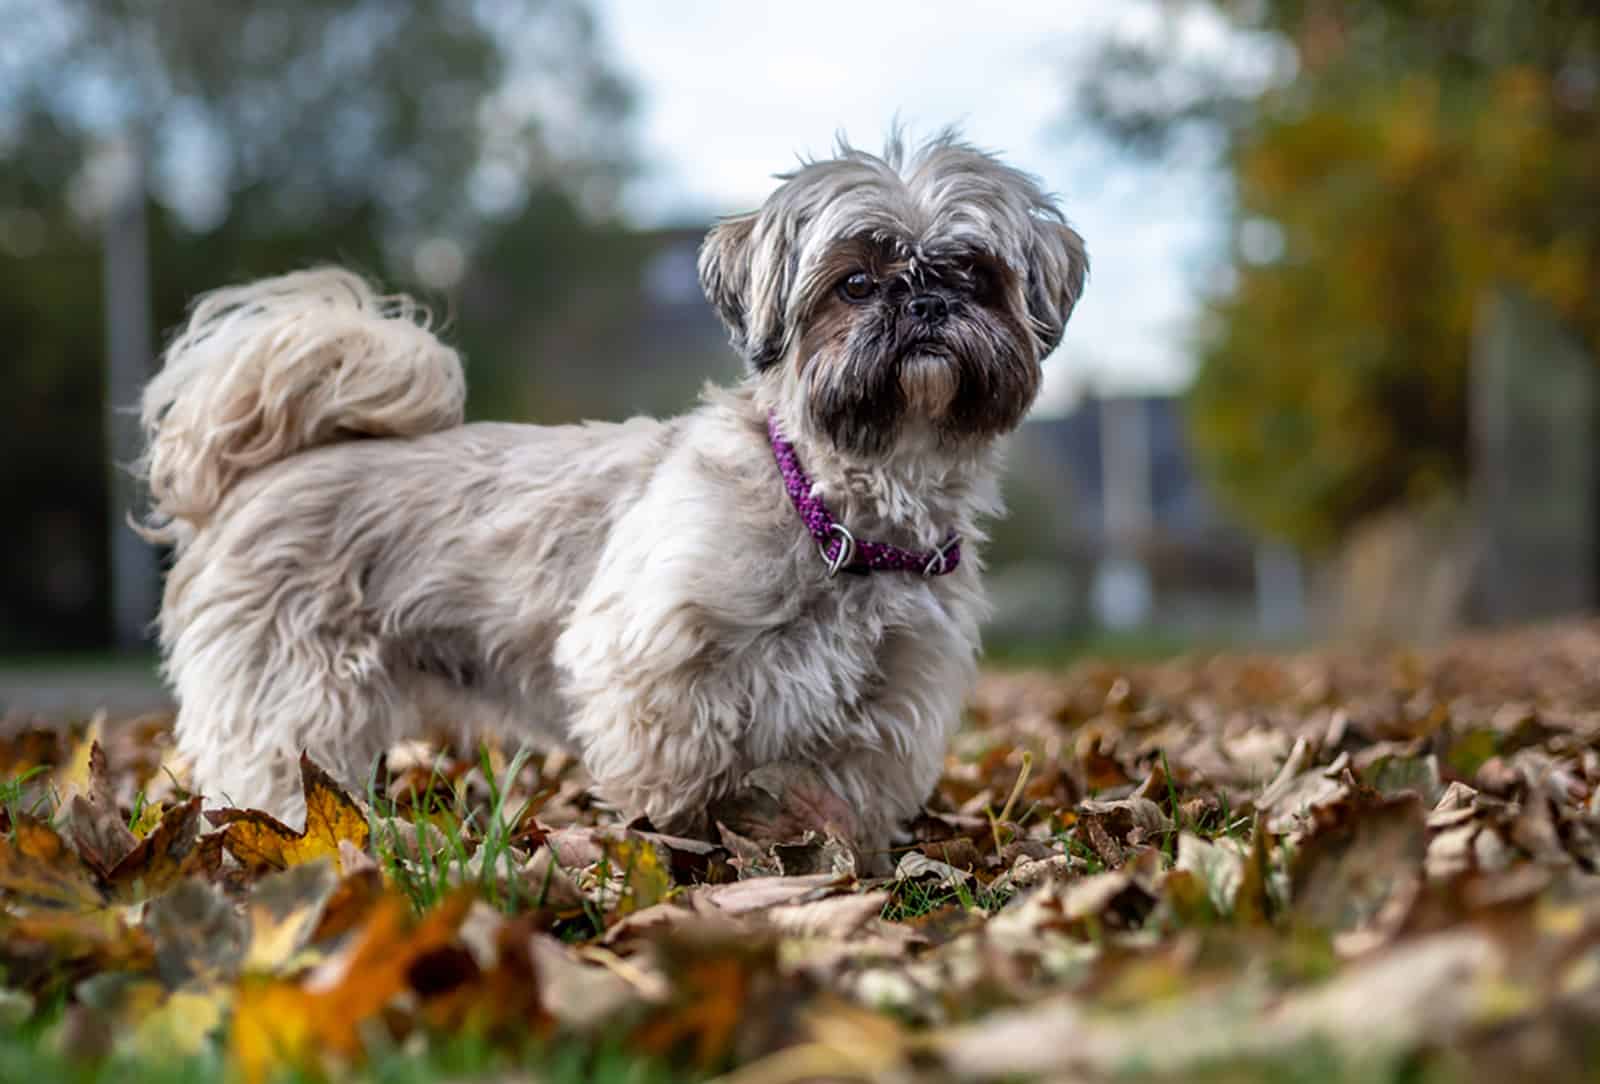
1403	159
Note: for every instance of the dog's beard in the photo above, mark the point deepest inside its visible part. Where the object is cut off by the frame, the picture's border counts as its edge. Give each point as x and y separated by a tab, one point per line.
929	384
866	382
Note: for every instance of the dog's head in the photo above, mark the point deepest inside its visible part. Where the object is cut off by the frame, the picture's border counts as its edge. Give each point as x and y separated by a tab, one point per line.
917	286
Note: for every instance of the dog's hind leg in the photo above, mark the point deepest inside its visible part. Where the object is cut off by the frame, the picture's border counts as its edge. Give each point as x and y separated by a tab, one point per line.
266	668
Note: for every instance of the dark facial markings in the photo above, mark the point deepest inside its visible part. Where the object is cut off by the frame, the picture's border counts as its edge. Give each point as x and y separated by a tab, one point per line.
887	308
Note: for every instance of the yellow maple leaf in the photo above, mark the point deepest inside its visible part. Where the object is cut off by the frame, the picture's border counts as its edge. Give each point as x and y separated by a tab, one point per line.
262	842
279	1023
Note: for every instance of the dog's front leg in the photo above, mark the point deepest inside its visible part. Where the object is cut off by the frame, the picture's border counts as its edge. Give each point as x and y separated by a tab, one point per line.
926	675
655	724
649	734
885	789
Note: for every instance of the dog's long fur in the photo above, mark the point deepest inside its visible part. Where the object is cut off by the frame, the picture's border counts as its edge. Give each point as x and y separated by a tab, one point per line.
354	564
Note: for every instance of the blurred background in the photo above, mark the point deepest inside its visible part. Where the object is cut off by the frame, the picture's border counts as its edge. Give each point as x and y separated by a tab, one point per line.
1334	375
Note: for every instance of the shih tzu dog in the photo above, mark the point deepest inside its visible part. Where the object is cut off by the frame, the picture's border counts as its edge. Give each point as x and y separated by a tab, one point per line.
788	573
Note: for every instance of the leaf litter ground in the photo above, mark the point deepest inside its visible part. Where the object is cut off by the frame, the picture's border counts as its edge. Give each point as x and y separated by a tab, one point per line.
1331	866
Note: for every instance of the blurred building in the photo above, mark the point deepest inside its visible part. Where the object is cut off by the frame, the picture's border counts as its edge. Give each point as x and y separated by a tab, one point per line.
1148	543
631	333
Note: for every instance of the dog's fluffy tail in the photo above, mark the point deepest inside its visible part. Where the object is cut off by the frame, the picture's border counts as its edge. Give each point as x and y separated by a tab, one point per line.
266	370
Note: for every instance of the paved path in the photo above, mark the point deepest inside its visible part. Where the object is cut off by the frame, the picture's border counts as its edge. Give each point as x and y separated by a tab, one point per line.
68	691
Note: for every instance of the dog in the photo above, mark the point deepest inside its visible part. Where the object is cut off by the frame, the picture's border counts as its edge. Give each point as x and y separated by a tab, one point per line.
786	574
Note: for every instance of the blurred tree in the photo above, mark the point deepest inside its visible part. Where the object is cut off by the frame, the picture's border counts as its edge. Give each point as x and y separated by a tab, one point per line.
394	137
1392	160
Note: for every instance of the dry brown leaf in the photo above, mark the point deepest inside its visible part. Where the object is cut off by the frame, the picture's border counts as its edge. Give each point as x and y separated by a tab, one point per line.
836	916
1361	864
98	827
744	897
917	866
725	989
585	997
172	850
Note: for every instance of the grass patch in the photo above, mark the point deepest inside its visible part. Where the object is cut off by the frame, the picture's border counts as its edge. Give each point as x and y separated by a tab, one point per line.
428	873
34	1054
914	899
1312	1062
14	797
1140	645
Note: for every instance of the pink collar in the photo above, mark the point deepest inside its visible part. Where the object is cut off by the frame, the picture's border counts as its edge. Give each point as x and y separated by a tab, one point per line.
841	550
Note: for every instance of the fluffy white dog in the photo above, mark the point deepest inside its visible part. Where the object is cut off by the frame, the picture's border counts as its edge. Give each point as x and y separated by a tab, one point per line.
785	574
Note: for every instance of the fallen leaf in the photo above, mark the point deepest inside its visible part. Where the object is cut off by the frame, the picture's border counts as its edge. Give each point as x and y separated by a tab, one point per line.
1362	861
37	868
1218	868
73	776
284	911
199	935
744	897
262	842
319	1021
643	879
98	829
813	854
181	1026
916	867
172	850
584	997
836	916
723	988
786	803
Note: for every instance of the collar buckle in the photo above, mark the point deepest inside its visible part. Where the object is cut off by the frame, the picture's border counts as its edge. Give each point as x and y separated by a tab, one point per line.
938	561
847	549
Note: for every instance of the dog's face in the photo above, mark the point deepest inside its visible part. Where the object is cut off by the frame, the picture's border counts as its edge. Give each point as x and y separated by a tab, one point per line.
913	287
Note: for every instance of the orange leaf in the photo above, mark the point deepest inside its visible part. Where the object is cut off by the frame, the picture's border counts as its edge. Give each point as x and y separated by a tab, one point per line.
261	842
705	1019
37	866
281	1023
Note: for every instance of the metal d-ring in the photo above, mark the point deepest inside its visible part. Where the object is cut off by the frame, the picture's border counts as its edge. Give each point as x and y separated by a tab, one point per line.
847	549
941	553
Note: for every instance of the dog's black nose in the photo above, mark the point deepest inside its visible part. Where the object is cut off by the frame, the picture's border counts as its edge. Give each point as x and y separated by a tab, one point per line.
929	308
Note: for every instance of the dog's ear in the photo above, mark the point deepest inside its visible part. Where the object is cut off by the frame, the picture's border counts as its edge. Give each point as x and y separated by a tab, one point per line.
1058	263
745	273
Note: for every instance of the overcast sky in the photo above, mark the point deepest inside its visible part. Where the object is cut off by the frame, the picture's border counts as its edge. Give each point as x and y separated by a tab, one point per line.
731	92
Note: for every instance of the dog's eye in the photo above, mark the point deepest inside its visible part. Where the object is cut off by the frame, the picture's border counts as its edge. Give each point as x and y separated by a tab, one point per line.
858	286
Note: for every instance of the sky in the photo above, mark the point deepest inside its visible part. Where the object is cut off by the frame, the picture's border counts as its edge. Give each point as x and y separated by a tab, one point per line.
731	93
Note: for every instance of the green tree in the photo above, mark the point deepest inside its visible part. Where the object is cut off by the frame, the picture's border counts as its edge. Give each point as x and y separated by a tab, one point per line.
1392	161
274	136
